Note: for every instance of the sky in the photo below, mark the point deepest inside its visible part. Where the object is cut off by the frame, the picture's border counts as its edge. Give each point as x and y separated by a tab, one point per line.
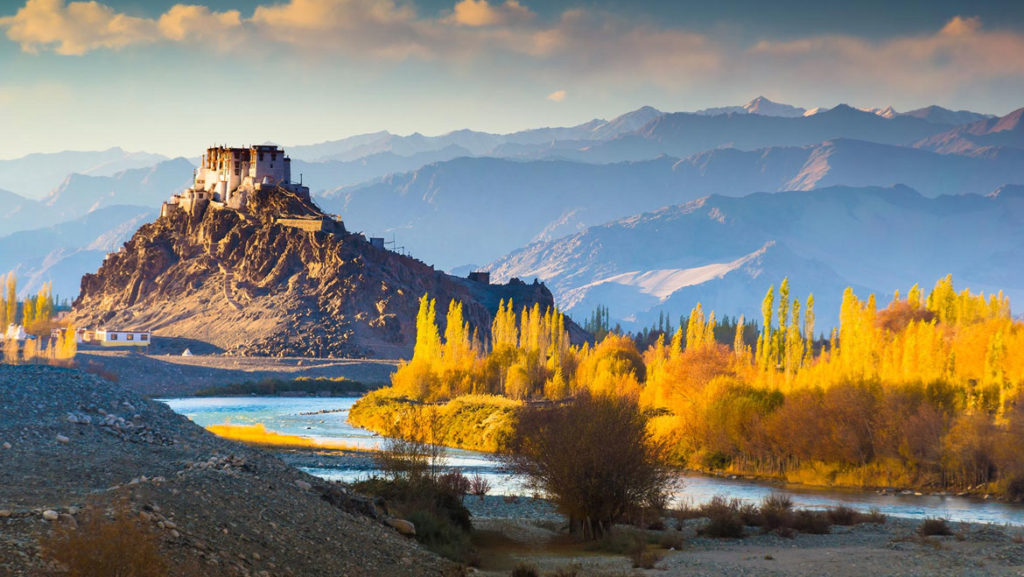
173	78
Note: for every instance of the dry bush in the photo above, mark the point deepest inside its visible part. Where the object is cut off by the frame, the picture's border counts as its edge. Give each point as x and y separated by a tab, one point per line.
724	520
455	482
934	526
479	485
577	454
643	557
120	545
101	371
874	515
813	522
776	512
524	570
571	570
843	515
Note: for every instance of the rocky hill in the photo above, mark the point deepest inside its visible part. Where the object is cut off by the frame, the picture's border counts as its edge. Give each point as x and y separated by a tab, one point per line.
69	440
249	284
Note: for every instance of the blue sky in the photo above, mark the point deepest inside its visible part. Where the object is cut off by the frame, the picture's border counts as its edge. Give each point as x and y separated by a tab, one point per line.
172	78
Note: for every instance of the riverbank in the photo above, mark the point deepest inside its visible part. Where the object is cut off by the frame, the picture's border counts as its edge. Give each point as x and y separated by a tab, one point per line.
529	532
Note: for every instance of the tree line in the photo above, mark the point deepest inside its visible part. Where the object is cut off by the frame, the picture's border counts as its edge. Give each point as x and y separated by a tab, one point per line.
922	393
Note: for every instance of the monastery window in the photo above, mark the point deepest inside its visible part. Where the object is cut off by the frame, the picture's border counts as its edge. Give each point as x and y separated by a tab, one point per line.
130	337
112	337
143	337
236	171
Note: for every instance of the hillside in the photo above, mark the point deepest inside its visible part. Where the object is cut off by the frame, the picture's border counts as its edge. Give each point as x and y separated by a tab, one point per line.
71	440
725	252
246	284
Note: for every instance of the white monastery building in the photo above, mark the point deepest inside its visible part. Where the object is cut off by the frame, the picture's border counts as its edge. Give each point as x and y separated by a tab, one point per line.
227	176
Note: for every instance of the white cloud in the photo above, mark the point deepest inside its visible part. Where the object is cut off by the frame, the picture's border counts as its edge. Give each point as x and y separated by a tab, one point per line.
189	23
75	28
557	96
483	13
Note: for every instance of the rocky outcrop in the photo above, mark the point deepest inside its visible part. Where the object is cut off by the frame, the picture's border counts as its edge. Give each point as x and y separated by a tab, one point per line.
252	283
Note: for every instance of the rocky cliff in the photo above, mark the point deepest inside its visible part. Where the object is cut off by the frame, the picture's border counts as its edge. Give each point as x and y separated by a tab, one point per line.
258	283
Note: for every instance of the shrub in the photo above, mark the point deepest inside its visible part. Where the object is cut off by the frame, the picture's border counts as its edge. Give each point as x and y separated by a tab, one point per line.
577	454
1015	489
751	515
119	545
776	512
843	515
671	540
479	485
874	515
571	570
455	482
524	570
934	526
643	557
724	520
814	522
442	521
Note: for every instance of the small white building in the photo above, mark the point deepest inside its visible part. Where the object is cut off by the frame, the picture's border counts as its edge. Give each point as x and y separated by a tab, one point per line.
121	338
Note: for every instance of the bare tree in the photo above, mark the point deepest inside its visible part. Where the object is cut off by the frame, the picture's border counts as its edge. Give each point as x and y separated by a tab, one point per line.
593	457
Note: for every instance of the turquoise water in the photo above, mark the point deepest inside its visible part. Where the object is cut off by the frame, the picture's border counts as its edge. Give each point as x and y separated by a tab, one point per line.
306	417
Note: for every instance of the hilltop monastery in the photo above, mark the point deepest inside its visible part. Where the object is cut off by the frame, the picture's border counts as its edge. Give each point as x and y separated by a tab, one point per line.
227	176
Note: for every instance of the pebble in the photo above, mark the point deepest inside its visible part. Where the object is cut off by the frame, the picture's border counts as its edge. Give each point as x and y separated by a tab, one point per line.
63	439
5	513
303	485
50	515
7	445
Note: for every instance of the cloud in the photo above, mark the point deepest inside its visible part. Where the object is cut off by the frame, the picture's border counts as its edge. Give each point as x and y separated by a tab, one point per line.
75	28
198	23
483	13
959	54
557	96
481	37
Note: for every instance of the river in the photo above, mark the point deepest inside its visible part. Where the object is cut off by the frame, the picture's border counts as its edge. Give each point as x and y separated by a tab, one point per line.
324	419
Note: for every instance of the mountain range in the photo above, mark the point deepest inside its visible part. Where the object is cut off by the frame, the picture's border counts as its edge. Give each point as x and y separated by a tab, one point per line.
725	252
467	198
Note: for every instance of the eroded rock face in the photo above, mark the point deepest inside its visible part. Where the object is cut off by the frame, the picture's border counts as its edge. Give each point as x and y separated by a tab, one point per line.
252	286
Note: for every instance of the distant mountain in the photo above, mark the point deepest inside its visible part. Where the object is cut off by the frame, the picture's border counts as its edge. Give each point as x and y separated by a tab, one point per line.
848	162
332	174
977	137
725	252
682	134
940	115
35	175
20	213
759	105
80	193
472	142
62	253
474	209
487	207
